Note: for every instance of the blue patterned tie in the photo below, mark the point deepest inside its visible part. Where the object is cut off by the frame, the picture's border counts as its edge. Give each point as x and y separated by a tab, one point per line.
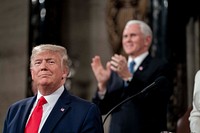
131	69
131	66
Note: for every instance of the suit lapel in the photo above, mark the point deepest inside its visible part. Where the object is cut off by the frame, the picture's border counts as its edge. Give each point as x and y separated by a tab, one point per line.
26	108
57	112
143	66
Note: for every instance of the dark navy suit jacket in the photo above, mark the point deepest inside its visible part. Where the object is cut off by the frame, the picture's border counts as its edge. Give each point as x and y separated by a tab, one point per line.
69	115
145	113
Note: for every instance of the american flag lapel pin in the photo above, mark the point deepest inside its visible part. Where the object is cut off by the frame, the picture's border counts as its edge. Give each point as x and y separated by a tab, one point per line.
62	109
141	68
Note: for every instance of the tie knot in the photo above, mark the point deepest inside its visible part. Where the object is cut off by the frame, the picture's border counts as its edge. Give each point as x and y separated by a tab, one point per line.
42	101
132	63
131	66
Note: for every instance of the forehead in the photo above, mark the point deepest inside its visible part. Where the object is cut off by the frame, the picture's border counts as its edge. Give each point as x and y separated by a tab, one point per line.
47	55
132	28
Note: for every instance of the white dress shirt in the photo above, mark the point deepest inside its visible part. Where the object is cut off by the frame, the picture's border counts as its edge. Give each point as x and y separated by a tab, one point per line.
138	60
51	101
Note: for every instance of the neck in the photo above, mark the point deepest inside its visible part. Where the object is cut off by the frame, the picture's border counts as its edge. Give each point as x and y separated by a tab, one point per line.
49	89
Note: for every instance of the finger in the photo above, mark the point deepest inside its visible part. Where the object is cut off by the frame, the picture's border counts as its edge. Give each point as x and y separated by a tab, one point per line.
115	58
96	61
108	66
116	55
96	64
123	61
114	64
113	68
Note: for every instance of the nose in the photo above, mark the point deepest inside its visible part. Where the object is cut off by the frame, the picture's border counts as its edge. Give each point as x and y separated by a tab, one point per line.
128	38
43	65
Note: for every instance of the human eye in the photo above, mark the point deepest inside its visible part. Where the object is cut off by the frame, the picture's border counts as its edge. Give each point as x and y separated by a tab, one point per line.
51	62
37	62
133	34
125	36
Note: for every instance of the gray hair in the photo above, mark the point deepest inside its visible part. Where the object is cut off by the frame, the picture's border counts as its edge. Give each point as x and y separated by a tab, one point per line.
145	29
51	47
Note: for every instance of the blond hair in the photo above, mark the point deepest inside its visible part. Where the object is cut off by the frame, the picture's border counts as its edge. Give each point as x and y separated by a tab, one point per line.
50	47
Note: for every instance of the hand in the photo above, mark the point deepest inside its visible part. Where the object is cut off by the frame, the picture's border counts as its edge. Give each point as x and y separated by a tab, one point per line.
102	75
119	65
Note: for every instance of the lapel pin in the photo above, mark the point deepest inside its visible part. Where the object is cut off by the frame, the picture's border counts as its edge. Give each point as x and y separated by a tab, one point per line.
62	109
140	68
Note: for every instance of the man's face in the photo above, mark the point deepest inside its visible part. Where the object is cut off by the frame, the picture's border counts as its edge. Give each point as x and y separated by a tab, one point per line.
46	70
134	42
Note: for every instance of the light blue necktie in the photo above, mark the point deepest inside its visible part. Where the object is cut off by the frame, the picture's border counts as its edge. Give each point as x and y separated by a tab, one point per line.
131	66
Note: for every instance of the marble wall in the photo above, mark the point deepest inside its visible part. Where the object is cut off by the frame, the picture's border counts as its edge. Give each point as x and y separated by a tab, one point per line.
13	53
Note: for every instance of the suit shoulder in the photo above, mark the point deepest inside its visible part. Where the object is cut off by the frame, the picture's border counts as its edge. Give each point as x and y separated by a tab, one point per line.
161	61
21	102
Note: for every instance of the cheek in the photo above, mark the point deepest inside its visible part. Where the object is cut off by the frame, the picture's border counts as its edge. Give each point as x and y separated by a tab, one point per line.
33	74
123	41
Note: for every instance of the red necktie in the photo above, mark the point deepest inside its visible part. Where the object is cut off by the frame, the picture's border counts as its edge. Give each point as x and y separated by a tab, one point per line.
34	121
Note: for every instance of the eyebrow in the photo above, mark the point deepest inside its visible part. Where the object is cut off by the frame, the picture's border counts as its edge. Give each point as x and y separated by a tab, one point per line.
46	59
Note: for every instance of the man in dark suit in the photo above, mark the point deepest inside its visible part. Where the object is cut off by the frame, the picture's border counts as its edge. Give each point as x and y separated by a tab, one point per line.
146	112
62	112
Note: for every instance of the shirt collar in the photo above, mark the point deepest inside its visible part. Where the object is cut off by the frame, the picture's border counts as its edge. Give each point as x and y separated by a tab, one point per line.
52	98
138	60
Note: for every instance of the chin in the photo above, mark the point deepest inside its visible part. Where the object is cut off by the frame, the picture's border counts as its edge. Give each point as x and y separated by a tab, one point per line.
128	52
44	83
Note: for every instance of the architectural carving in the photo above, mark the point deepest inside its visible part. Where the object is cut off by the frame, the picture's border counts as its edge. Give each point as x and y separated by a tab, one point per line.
118	13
